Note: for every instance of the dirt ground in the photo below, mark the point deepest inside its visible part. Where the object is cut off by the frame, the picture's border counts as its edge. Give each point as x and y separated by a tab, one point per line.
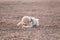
11	13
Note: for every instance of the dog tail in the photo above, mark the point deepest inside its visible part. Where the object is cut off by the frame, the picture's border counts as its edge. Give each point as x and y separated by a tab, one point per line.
37	22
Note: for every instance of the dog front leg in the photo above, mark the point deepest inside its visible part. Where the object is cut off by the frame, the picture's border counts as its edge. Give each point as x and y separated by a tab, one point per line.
19	24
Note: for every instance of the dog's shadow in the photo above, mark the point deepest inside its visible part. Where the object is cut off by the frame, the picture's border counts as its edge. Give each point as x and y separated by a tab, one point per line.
34	26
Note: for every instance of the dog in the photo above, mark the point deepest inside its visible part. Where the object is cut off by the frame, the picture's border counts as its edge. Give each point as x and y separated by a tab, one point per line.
28	21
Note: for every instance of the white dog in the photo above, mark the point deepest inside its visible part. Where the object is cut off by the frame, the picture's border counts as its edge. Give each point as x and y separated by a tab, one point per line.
28	21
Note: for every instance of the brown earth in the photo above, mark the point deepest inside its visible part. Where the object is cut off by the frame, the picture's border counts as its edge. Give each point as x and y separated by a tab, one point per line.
11	13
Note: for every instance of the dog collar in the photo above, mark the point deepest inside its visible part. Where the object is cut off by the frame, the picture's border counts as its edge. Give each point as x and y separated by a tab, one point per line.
31	21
